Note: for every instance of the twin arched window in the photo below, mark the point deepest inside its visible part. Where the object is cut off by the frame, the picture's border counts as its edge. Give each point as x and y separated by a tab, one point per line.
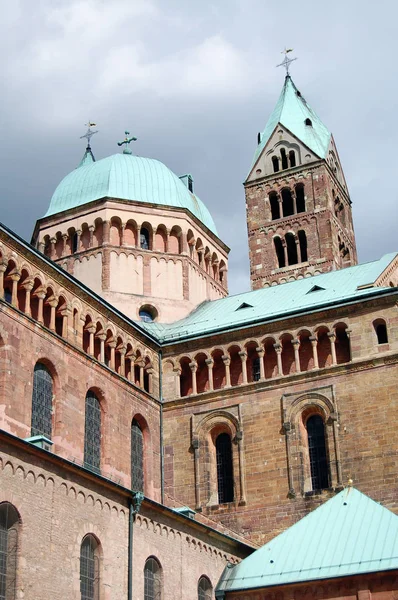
152	580
42	398
137	457
225	478
89	569
9	522
92	433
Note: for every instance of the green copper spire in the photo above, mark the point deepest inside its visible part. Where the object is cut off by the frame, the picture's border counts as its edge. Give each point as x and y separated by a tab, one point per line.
295	114
88	156
127	140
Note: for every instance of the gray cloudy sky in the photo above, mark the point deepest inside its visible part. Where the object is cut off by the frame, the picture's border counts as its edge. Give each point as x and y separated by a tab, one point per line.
195	81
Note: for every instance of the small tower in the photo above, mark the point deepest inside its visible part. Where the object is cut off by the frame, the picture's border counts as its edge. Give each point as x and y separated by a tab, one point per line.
298	208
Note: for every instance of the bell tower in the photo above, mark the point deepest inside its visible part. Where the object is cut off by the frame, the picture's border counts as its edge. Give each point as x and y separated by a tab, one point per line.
298	207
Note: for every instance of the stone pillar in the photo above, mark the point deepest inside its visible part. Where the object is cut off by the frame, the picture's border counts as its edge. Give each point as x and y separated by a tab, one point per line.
64	243
167	239
243	357
15	277
102	338
285	251
40	294
287	428
131	375
3	268
79	240
138	235
150	372
294	198
298	249
210	364
52	247
280	206
261	353
66	313
41	247
122	352
314	343
227	361
194	367
106	231
296	347
112	346
91	231
195	446
28	286
278	350
53	303
242	486
123	227
91	330
177	372
332	337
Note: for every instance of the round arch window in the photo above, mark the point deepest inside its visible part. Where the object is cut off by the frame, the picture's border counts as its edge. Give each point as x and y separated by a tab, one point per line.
147	313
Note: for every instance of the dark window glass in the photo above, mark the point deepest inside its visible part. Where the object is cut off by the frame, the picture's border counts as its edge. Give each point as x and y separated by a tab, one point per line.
303	245
144	238
275	163
381	332
8	551
291	249
287	203
42	397
89	569
137	457
300	198
256	369
92	433
8	295
146	316
152	580
284	159
292	158
75	242
204	589
308	122
317	452
225	479
274	203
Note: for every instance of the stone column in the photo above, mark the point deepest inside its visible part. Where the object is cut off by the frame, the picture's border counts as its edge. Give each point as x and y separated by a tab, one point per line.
15	277
91	231
150	372
140	363
261	353
53	303
52	247
332	337
195	446
287	428
79	240
28	287
294	198
122	240
167	240
243	357
298	249
227	361
314	343
285	251
278	350
66	313
122	352
91	330
40	294
106	231
64	241
210	364
138	235
177	372
112	346
102	338
280	206
242	486
296	347
3	268
194	367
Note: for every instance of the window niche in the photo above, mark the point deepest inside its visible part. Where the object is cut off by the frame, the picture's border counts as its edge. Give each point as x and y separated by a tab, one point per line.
380	328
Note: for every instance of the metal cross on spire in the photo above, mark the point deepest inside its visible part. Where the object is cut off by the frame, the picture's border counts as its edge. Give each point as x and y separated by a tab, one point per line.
89	133
127	140
286	61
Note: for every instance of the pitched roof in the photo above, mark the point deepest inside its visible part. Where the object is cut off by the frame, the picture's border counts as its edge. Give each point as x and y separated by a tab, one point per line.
348	535
291	111
266	304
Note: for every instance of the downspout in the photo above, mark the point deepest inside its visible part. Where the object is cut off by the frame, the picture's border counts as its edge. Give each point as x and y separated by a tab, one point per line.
161	428
134	507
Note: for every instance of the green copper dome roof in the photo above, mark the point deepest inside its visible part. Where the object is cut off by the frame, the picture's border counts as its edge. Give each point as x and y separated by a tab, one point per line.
127	177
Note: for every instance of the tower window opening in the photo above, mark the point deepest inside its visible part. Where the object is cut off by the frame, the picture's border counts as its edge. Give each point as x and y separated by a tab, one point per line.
291	247
292	158
287	203
275	163
75	242
8	295
303	245
317	453
280	252
308	122
300	198
381	331
144	238
274	203
256	369
224	469
284	159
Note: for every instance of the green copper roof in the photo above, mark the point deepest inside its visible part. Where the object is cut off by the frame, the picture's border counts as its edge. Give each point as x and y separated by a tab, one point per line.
291	111
275	302
348	535
127	177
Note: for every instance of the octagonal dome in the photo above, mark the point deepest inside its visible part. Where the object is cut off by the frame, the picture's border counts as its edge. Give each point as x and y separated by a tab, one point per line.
127	177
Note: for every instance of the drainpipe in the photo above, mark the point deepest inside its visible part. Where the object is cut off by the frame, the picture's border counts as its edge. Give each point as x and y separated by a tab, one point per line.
134	507
161	428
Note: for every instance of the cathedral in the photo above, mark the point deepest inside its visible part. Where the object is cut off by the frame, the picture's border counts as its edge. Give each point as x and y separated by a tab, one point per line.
161	439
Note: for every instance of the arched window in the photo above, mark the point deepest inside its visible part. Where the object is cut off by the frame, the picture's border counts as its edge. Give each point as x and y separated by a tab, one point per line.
275	163
300	198
225	480
75	242
9	522
303	245
205	589
284	159
152	580
280	252
317	453
144	238
137	457
89	569
381	331
92	433
291	249
287	203
308	122
256	369
274	204
42	398
292	158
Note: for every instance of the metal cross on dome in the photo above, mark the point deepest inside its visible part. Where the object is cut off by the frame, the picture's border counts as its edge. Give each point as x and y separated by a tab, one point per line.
286	61
127	140
89	133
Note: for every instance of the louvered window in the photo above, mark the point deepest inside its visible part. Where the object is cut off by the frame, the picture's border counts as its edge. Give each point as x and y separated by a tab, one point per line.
42	397
92	433
225	479
317	452
137	457
9	522
89	569
152	580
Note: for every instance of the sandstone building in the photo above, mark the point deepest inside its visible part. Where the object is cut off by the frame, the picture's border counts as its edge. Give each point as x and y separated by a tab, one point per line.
153	428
